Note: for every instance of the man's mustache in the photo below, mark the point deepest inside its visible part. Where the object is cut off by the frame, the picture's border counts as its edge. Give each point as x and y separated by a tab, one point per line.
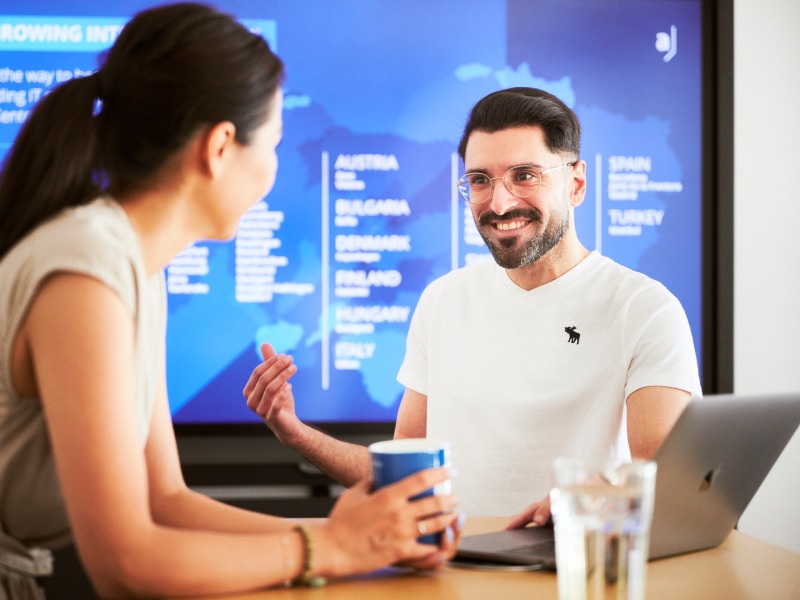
529	214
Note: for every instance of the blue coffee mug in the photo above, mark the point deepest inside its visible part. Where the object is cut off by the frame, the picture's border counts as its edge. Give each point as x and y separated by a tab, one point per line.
392	460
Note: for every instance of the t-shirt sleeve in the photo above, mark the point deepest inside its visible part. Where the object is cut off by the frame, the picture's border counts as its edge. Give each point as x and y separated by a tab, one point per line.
413	371
659	341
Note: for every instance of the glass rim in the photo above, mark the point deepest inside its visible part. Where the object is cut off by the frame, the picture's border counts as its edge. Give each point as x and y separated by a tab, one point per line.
461	182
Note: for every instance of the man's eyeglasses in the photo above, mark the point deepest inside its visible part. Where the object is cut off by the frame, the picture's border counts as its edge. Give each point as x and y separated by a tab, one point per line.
522	181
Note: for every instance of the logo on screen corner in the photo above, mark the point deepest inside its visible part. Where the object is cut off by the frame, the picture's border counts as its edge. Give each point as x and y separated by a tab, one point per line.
667	43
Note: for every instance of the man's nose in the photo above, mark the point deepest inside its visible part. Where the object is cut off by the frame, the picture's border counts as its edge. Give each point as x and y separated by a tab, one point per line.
502	200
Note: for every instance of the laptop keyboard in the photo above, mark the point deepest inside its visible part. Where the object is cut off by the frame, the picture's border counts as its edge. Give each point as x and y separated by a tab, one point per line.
541	549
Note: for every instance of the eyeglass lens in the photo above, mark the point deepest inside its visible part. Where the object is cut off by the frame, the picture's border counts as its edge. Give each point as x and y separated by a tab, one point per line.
520	181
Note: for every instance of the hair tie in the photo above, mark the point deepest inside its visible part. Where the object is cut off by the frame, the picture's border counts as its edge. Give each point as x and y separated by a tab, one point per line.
101	79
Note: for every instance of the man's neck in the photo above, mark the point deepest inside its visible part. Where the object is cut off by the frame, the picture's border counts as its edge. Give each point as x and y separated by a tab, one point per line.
559	260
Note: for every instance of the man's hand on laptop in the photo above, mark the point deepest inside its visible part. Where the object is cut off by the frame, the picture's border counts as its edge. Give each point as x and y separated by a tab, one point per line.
269	394
537	513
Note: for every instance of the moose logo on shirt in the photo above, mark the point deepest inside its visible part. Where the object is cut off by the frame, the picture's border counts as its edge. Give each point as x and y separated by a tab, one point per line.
574	336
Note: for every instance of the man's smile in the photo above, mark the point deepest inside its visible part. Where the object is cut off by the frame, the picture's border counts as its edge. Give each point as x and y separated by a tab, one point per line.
513	219
509	225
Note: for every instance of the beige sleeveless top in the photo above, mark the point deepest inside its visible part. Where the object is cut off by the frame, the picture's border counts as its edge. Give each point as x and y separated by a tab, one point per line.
96	240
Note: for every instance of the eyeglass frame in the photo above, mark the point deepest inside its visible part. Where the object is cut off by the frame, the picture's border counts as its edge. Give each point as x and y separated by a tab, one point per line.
539	172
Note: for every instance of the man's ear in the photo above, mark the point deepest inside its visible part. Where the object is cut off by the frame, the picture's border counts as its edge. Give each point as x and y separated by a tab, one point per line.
217	147
578	183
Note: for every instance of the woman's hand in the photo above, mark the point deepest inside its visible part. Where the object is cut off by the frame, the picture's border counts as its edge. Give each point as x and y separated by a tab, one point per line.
445	551
370	530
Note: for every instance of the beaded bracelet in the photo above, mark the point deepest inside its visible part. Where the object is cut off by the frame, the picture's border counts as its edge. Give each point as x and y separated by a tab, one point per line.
306	578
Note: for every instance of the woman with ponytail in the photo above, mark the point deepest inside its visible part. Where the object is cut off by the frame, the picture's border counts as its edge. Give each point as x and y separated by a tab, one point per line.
169	142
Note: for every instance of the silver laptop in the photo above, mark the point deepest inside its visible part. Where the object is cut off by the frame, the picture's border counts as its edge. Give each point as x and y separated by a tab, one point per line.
709	468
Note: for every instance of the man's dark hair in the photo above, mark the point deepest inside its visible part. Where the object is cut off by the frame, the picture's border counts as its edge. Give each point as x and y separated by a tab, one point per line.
526	107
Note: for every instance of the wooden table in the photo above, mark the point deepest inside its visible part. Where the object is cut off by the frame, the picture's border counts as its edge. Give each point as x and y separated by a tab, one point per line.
742	568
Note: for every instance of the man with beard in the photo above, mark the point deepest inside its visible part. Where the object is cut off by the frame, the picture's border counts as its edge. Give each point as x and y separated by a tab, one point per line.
552	351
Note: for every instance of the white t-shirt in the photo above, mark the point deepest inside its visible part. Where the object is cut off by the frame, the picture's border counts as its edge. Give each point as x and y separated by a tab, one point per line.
513	386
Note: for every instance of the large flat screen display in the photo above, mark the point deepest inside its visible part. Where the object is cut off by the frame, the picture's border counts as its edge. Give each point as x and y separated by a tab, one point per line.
364	213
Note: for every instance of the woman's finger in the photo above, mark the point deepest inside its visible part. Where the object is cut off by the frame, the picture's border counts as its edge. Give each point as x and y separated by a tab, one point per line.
419	482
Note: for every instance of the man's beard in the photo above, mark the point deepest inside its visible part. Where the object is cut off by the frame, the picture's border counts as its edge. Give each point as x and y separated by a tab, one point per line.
508	253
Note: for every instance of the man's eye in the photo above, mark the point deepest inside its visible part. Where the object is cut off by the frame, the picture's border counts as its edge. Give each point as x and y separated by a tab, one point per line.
478	179
525	175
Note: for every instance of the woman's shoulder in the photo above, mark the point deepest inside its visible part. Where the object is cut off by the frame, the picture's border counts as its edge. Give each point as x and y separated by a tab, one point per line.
95	239
98	225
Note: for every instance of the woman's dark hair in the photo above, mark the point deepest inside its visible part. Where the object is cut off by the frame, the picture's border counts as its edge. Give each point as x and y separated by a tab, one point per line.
172	71
526	107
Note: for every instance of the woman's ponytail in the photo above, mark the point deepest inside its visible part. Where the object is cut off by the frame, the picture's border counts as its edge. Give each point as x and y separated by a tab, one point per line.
51	165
